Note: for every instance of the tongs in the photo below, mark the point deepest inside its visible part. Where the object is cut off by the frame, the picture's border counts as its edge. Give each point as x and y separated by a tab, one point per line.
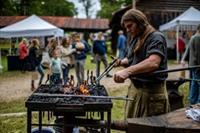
107	70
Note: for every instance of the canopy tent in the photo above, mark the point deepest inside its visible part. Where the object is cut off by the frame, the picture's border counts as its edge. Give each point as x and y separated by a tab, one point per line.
188	20
32	26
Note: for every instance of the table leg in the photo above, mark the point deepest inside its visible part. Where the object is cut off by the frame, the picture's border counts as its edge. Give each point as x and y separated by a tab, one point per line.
109	121
40	121
29	117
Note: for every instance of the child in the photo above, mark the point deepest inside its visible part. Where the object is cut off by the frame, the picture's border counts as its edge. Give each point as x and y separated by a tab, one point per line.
56	69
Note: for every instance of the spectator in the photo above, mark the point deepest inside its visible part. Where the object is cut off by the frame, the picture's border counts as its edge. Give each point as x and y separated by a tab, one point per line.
66	56
121	45
55	66
23	54
194	59
99	50
35	58
80	55
181	46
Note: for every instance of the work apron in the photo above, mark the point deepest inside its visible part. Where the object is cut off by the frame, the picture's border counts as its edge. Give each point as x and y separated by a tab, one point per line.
149	99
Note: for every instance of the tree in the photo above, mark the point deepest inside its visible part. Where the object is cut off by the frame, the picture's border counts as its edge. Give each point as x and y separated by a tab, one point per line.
7	8
87	4
107	10
38	7
109	7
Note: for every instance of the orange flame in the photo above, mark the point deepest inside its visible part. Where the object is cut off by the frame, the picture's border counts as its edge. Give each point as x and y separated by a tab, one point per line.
84	90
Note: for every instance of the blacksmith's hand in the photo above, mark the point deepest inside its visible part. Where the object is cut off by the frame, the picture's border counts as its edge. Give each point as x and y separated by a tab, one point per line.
121	76
117	63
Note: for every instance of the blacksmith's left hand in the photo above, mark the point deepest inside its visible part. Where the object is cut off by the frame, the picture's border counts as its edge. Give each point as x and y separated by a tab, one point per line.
121	76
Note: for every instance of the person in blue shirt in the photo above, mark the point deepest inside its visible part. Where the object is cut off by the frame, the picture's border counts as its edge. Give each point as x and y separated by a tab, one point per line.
99	50
121	45
82	48
56	70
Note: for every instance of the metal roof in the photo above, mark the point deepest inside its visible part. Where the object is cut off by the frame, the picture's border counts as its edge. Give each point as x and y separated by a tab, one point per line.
66	23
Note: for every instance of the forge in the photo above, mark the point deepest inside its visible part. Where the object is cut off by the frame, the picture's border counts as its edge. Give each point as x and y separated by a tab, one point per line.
81	106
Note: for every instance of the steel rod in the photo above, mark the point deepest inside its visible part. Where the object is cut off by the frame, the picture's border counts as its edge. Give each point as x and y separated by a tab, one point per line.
176	70
107	70
188	79
84	96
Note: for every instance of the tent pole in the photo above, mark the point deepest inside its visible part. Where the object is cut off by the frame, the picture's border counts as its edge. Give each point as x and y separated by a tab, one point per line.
1	67
177	42
185	53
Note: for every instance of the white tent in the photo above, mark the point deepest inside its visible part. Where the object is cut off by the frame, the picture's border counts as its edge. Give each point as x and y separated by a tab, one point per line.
32	26
188	20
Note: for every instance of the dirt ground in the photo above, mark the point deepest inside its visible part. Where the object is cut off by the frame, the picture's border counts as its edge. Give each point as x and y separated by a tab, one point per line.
18	86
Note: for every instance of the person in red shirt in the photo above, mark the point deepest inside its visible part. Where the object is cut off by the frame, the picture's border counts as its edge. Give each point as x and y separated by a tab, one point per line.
181	46
23	54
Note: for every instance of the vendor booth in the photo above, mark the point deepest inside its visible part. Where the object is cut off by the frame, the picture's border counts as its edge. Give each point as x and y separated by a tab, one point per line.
188	20
32	26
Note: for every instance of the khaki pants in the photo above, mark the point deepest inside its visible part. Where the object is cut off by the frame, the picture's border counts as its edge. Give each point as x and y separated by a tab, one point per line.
149	100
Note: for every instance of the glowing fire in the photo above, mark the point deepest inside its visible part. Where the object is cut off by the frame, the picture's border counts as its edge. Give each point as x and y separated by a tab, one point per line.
84	89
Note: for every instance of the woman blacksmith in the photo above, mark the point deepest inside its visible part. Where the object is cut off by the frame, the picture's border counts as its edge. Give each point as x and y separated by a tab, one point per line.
146	53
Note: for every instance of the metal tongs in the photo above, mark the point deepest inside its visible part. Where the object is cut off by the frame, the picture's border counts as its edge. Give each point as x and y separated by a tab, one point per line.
107	70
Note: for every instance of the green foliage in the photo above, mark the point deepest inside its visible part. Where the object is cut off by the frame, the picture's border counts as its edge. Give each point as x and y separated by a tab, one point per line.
7	8
109	7
87	4
38	7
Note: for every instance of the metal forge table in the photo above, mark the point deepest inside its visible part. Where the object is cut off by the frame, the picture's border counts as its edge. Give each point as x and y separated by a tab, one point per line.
76	111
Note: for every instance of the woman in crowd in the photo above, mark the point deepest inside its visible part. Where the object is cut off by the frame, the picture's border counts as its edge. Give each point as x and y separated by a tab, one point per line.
35	57
80	56
66	57
23	54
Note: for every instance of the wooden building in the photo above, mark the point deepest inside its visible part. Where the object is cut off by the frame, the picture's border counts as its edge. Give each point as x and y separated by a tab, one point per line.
158	12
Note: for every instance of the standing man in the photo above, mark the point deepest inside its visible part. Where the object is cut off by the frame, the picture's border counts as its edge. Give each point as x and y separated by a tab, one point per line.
195	73
80	56
121	45
146	53
99	50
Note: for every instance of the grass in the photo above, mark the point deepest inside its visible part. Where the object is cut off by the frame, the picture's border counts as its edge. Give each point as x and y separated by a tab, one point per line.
13	106
13	125
184	90
4	63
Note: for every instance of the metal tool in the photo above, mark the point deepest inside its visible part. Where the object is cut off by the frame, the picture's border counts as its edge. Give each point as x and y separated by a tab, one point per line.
176	70
84	96
107	70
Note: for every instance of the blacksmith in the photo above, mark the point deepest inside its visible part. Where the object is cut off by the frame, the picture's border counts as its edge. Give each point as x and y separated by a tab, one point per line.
146	53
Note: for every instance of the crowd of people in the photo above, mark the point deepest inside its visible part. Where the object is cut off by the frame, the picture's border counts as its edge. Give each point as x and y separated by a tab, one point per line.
59	56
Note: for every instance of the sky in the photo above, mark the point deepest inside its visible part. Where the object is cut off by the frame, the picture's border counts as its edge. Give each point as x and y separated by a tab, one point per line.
81	13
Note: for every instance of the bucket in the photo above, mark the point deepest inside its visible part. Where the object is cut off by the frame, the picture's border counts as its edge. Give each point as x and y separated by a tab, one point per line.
44	130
